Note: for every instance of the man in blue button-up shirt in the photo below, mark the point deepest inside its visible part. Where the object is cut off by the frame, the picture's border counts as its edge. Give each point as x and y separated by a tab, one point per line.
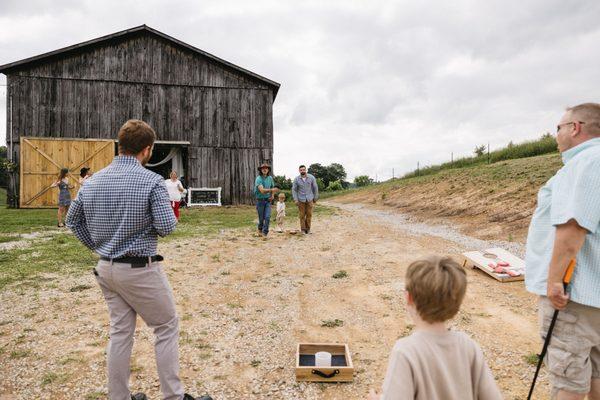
565	226
119	213
305	192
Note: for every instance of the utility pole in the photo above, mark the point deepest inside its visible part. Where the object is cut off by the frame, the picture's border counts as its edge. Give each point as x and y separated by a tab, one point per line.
451	158
488	152
417	168
393	173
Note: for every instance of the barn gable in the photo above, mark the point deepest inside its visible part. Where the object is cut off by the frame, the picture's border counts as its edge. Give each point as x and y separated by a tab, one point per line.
142	55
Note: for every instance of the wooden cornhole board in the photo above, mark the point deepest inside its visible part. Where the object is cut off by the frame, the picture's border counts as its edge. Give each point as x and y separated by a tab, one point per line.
341	370
481	259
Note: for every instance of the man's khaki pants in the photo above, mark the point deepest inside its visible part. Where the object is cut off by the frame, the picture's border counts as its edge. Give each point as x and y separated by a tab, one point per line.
145	291
305	210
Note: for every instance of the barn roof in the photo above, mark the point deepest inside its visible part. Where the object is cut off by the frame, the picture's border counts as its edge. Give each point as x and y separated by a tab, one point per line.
27	62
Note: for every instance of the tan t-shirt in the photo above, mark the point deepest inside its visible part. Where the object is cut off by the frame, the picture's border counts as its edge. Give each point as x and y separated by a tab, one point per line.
438	366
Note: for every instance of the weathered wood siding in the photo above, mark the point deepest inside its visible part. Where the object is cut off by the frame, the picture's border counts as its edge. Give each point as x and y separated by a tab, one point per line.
224	114
143	58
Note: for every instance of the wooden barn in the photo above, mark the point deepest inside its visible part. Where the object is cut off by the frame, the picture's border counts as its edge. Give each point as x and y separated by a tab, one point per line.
214	120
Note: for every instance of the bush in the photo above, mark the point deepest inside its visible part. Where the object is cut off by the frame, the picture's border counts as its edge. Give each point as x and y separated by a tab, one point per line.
334	186
363	180
479	150
545	145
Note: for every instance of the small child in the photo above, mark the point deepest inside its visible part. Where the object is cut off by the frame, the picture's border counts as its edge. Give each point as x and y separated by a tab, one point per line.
434	363
280	211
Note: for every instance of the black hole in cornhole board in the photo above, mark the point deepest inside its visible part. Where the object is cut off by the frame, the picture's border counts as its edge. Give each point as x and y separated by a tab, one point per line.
308	360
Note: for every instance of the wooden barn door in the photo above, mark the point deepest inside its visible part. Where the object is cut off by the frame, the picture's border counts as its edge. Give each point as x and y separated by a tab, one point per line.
41	161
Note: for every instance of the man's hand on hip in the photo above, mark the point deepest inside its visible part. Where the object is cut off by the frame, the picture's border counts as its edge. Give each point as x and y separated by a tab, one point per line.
296	202
556	294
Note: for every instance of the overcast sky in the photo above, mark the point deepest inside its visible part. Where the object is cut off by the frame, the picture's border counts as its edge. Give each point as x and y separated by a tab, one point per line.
372	85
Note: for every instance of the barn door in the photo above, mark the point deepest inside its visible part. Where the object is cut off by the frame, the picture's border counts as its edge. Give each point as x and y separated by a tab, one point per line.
41	161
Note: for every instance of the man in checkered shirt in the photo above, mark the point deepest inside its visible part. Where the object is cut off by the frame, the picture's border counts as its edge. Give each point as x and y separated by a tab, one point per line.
119	214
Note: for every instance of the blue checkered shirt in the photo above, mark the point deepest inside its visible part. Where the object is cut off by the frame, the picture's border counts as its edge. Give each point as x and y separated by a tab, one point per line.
121	210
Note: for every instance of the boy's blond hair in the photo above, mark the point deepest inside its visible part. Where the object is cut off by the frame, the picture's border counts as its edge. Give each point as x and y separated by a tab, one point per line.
437	286
281	195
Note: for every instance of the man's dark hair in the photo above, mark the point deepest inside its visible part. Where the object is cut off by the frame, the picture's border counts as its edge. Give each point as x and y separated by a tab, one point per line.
135	136
302	166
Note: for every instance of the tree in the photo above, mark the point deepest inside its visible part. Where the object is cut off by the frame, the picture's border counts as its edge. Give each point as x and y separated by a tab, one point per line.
320	184
319	171
337	172
330	173
363	180
480	150
282	182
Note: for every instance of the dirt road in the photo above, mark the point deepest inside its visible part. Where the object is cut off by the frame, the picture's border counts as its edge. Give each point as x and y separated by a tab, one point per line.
245	303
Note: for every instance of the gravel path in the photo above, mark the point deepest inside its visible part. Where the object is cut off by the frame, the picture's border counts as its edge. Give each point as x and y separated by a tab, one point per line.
245	303
451	234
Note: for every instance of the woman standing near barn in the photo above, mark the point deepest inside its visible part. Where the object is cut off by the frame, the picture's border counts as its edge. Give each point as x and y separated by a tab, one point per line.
175	188
64	196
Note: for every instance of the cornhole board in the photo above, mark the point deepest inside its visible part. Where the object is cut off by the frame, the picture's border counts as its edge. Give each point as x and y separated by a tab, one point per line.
481	259
341	370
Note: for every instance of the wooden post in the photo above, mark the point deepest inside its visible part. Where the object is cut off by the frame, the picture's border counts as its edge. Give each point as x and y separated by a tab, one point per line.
488	152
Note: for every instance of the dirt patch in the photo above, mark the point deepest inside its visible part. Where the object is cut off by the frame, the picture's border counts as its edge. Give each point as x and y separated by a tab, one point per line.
24	240
492	202
245	303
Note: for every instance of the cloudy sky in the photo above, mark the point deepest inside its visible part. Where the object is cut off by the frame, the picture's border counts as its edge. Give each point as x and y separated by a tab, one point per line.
373	85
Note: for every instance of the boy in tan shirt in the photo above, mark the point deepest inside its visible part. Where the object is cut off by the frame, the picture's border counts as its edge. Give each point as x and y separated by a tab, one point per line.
434	363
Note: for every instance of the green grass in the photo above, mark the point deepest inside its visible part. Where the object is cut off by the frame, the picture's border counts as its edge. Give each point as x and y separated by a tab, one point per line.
62	254
531	358
212	220
532	148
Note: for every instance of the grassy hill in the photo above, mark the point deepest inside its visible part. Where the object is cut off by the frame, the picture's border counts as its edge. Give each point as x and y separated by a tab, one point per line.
491	201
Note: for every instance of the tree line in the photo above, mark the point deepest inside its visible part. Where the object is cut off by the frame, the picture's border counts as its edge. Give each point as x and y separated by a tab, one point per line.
330	177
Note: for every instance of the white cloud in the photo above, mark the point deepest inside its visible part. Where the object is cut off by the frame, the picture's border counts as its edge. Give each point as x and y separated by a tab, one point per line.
373	85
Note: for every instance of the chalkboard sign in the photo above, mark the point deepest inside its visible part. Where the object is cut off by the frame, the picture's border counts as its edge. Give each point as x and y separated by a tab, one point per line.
204	196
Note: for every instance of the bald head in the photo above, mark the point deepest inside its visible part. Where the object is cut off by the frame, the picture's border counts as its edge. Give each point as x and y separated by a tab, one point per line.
589	115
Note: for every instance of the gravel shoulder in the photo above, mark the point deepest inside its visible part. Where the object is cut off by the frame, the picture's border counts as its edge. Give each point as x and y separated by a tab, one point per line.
245	303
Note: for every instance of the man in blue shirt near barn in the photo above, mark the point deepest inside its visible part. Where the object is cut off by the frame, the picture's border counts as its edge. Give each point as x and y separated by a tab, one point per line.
565	226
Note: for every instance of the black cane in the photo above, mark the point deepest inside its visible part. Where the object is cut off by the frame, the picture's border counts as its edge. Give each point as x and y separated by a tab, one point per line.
566	281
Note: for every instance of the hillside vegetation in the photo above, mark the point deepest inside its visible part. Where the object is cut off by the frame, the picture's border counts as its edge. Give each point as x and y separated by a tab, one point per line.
544	145
491	201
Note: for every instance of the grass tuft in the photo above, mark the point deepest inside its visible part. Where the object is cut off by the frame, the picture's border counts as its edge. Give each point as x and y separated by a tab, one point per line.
332	323
340	274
